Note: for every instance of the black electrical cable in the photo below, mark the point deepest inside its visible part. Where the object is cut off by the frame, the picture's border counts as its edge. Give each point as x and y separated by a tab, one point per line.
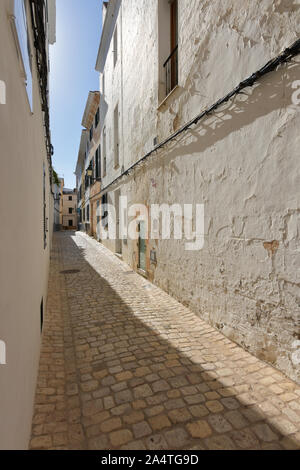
270	66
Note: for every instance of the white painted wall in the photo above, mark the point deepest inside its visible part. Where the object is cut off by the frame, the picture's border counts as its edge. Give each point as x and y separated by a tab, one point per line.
243	163
23	260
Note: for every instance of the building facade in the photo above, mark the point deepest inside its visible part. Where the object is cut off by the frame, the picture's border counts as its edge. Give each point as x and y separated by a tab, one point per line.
239	162
68	209
80	180
26	205
57	189
88	168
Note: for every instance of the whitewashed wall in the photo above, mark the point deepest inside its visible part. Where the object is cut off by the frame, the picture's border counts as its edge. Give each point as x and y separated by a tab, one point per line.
243	163
24	261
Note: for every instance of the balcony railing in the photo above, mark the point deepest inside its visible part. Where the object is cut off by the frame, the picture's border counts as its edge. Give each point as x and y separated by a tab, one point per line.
171	70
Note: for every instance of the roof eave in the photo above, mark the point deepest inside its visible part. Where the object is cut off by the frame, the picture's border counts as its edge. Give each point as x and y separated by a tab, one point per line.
91	97
107	32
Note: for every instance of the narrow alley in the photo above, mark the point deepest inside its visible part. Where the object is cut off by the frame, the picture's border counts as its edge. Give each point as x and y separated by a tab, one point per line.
125	366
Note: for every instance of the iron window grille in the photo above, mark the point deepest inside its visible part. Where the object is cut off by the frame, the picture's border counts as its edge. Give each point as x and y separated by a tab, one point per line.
171	71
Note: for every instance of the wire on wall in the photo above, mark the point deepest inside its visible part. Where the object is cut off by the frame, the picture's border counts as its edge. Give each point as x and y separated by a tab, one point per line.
269	67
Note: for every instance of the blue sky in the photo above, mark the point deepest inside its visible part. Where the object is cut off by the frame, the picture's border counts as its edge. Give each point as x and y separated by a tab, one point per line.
72	76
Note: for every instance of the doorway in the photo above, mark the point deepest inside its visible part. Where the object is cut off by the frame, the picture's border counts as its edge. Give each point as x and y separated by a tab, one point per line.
119	247
142	246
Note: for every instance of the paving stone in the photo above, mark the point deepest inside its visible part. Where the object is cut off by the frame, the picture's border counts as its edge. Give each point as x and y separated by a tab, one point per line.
119	438
99	443
288	397
174	404
157	442
121	409
245	439
220	443
177	438
230	403
124	396
219	423
111	425
142	391
141	429
160	386
199	411
214	406
159	422
154	410
236	419
265	433
195	399
139	405
284	426
123	376
134	417
199	429
173	394
180	415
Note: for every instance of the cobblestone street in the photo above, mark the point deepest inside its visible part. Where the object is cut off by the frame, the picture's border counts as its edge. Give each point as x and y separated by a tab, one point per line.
125	366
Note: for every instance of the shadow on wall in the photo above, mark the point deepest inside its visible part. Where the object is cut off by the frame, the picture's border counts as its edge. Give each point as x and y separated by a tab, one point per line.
272	93
114	314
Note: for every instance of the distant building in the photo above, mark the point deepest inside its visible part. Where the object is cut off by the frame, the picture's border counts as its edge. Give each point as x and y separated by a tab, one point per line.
57	189
80	180
68	204
88	168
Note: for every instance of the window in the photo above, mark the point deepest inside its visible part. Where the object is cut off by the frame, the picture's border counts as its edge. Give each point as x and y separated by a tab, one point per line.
70	198
98	212
115	51
173	72
98	162
70	210
24	46
97	118
88	213
103	84
168	46
116	136
104	152
104	202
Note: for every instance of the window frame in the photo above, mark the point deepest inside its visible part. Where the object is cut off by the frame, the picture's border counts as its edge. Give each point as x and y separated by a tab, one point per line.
104	152
115	45
97	118
116	137
22	38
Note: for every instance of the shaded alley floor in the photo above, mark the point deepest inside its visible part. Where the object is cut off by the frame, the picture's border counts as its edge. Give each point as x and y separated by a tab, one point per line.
125	366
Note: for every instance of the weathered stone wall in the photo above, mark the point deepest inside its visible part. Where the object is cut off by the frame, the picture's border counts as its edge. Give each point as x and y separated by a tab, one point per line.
242	163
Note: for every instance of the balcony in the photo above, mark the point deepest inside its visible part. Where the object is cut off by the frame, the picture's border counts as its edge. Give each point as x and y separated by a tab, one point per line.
171	71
